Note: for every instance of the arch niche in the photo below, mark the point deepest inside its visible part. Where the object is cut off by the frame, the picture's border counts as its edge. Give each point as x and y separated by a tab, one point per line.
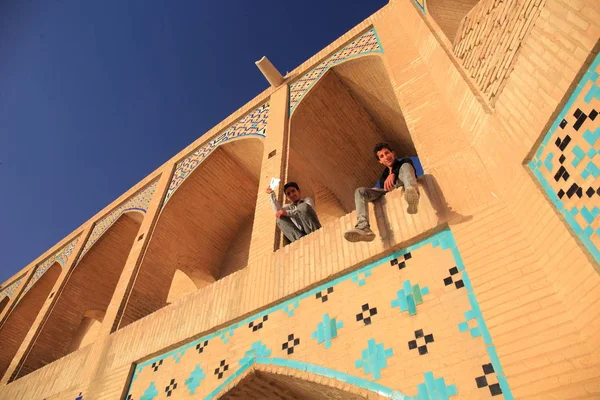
85	296
334	128
23	315
203	232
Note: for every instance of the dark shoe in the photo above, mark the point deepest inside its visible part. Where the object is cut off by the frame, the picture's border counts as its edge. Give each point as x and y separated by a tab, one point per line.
359	235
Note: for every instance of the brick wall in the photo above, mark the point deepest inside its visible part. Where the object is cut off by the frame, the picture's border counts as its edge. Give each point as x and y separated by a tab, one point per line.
489	39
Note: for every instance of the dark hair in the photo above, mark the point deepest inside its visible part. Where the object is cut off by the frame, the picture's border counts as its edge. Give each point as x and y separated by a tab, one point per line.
289	185
380	146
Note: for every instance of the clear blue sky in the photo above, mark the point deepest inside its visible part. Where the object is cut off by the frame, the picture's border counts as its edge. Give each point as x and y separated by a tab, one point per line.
94	95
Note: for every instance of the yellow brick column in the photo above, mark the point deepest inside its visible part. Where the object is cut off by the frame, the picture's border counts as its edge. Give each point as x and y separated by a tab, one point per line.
442	144
127	279
48	305
264	230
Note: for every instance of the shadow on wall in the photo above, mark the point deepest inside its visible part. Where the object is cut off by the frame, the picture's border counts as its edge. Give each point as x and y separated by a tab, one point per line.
89	286
203	232
334	128
448	14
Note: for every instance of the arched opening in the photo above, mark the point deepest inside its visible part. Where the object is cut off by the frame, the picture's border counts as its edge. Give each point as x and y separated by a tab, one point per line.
261	385
3	303
334	128
204	229
449	13
90	286
23	315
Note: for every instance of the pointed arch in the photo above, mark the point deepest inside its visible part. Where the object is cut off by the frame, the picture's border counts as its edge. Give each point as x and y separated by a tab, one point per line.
334	127
3	303
204	230
89	286
23	315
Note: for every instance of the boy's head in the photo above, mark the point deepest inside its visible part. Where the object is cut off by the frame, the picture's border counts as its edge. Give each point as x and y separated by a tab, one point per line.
292	191
384	154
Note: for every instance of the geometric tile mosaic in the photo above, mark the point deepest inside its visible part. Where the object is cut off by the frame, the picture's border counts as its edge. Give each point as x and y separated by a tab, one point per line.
11	289
139	202
252	124
367	43
567	164
400	355
61	257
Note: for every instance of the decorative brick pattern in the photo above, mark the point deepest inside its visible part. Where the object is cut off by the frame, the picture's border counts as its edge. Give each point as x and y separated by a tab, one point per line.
253	124
489	39
138	202
565	163
61	257
11	289
366	44
368	349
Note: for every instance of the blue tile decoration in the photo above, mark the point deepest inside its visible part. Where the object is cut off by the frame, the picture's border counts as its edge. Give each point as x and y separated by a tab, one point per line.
327	329
373	358
290	308
150	393
421	5
409	297
80	396
367	43
195	378
11	289
382	356
434	389
361	277
253	124
258	349
565	163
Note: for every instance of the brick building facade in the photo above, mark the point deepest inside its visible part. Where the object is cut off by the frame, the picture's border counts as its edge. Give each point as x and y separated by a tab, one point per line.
490	290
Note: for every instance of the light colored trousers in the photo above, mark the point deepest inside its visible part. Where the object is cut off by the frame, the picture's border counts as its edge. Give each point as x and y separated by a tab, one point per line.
306	218
363	195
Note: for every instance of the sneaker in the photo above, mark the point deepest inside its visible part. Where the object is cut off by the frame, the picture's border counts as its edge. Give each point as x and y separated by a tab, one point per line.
359	235
411	194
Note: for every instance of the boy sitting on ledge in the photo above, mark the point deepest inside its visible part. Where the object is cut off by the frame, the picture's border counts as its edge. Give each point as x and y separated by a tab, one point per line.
298	218
398	171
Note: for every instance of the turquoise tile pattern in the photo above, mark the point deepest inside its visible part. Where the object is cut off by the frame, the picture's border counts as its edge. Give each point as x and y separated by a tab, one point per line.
368	356
252	124
11	289
367	43
61	257
138	202
565	163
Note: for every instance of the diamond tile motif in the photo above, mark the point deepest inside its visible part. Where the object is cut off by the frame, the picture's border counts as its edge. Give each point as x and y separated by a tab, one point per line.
489	380
373	359
195	378
327	330
258	349
573	183
366	314
258	324
420	342
324	294
409	297
290	344
221	369
434	389
170	387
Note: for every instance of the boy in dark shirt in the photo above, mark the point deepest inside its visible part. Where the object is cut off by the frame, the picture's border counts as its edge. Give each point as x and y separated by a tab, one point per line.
397	172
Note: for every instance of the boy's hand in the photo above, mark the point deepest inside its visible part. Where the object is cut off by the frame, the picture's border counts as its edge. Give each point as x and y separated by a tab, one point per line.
389	182
281	213
269	190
